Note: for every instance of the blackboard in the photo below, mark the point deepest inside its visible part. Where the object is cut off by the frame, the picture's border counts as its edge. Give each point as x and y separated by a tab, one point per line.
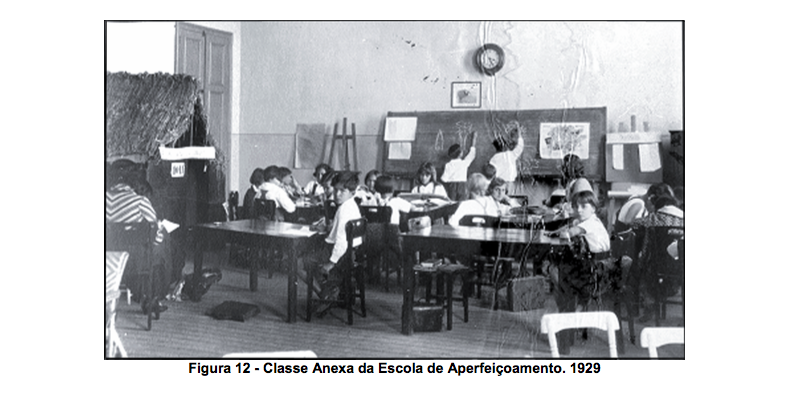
430	146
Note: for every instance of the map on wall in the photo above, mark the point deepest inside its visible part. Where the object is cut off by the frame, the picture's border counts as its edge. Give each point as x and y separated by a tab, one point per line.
309	145
556	140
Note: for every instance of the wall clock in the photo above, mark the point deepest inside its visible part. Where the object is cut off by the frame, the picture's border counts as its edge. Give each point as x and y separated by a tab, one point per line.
490	58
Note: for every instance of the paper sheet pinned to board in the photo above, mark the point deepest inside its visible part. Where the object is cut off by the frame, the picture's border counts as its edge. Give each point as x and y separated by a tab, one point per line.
618	157
400	151
400	129
649	159
309	145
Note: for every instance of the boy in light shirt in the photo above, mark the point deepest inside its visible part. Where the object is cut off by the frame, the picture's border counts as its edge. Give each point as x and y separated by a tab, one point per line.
454	176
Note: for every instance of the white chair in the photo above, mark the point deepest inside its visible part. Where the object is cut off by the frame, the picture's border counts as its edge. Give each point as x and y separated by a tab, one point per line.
274	354
603	320
653	338
115	267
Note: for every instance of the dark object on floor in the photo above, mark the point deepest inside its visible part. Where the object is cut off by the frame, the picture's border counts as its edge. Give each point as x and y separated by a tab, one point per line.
528	293
428	317
197	286
234	310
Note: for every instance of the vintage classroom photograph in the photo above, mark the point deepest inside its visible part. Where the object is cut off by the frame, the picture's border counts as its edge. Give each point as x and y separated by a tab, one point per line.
490	190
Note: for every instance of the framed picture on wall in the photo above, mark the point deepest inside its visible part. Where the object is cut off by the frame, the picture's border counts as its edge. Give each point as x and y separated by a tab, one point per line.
466	95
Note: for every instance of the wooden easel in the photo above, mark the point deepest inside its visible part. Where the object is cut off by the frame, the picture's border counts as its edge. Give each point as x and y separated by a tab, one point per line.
344	138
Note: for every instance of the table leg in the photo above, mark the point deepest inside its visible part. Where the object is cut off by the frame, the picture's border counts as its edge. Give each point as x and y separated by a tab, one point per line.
199	240
449	299
254	265
407	327
291	308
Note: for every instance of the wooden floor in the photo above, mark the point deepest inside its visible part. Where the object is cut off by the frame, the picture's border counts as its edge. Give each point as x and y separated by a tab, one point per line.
184	331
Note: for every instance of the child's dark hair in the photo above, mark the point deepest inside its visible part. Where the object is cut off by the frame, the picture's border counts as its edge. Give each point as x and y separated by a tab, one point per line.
321	170
658	190
454	152
664	200
346	179
271	173
371	174
496	182
584	197
426	168
489	171
257	177
384	184
572	168
283	172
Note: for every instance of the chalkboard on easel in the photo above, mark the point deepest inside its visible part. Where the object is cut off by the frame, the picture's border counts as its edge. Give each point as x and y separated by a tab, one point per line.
436	131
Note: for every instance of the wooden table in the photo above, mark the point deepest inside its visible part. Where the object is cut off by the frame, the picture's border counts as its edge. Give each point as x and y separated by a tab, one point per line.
291	238
435	212
446	239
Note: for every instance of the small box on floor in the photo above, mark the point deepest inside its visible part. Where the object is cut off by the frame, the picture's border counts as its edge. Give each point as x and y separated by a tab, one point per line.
528	293
428	317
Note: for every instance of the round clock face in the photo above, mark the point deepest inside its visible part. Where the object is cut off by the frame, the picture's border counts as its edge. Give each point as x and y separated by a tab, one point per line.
489	58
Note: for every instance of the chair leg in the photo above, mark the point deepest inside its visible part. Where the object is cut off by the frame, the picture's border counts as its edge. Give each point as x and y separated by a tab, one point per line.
309	294
348	295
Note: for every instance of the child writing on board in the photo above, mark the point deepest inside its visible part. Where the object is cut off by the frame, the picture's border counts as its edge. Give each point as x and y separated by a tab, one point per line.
505	160
454	176
426	182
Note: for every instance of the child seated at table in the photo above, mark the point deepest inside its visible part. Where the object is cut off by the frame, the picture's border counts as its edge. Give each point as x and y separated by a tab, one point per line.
384	185
273	190
426	182
345	185
289	184
497	190
253	192
315	189
589	270
366	194
478	204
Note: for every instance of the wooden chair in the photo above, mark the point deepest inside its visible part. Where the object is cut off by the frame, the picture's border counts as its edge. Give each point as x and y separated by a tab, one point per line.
488	257
663	270
115	267
603	320
137	239
653	338
351	266
264	209
623	245
378	219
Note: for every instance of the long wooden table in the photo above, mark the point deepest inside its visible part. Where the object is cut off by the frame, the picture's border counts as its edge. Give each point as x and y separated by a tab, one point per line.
445	240
291	238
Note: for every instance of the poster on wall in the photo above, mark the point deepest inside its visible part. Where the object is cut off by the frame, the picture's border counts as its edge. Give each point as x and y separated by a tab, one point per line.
557	139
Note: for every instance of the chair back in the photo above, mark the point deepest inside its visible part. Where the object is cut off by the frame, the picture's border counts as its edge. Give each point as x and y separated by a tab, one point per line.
264	209
603	320
660	238
115	267
377	214
653	338
485	221
356	231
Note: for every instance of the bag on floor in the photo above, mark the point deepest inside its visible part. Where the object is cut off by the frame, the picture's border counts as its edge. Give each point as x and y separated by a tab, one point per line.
234	310
197	286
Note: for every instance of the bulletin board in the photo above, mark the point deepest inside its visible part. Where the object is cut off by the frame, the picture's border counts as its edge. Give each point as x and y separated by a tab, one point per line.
634	157
436	131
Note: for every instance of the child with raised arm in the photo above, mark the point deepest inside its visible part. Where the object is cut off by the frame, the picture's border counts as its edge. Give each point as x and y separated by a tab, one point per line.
508	151
454	176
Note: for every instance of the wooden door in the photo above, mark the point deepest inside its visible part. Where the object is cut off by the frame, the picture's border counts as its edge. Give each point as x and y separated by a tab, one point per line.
205	53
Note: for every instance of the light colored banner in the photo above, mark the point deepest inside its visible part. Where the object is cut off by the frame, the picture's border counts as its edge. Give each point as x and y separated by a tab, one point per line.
187	153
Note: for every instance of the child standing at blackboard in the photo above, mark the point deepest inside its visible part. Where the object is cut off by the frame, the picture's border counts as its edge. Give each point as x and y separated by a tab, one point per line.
426	182
454	176
505	160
